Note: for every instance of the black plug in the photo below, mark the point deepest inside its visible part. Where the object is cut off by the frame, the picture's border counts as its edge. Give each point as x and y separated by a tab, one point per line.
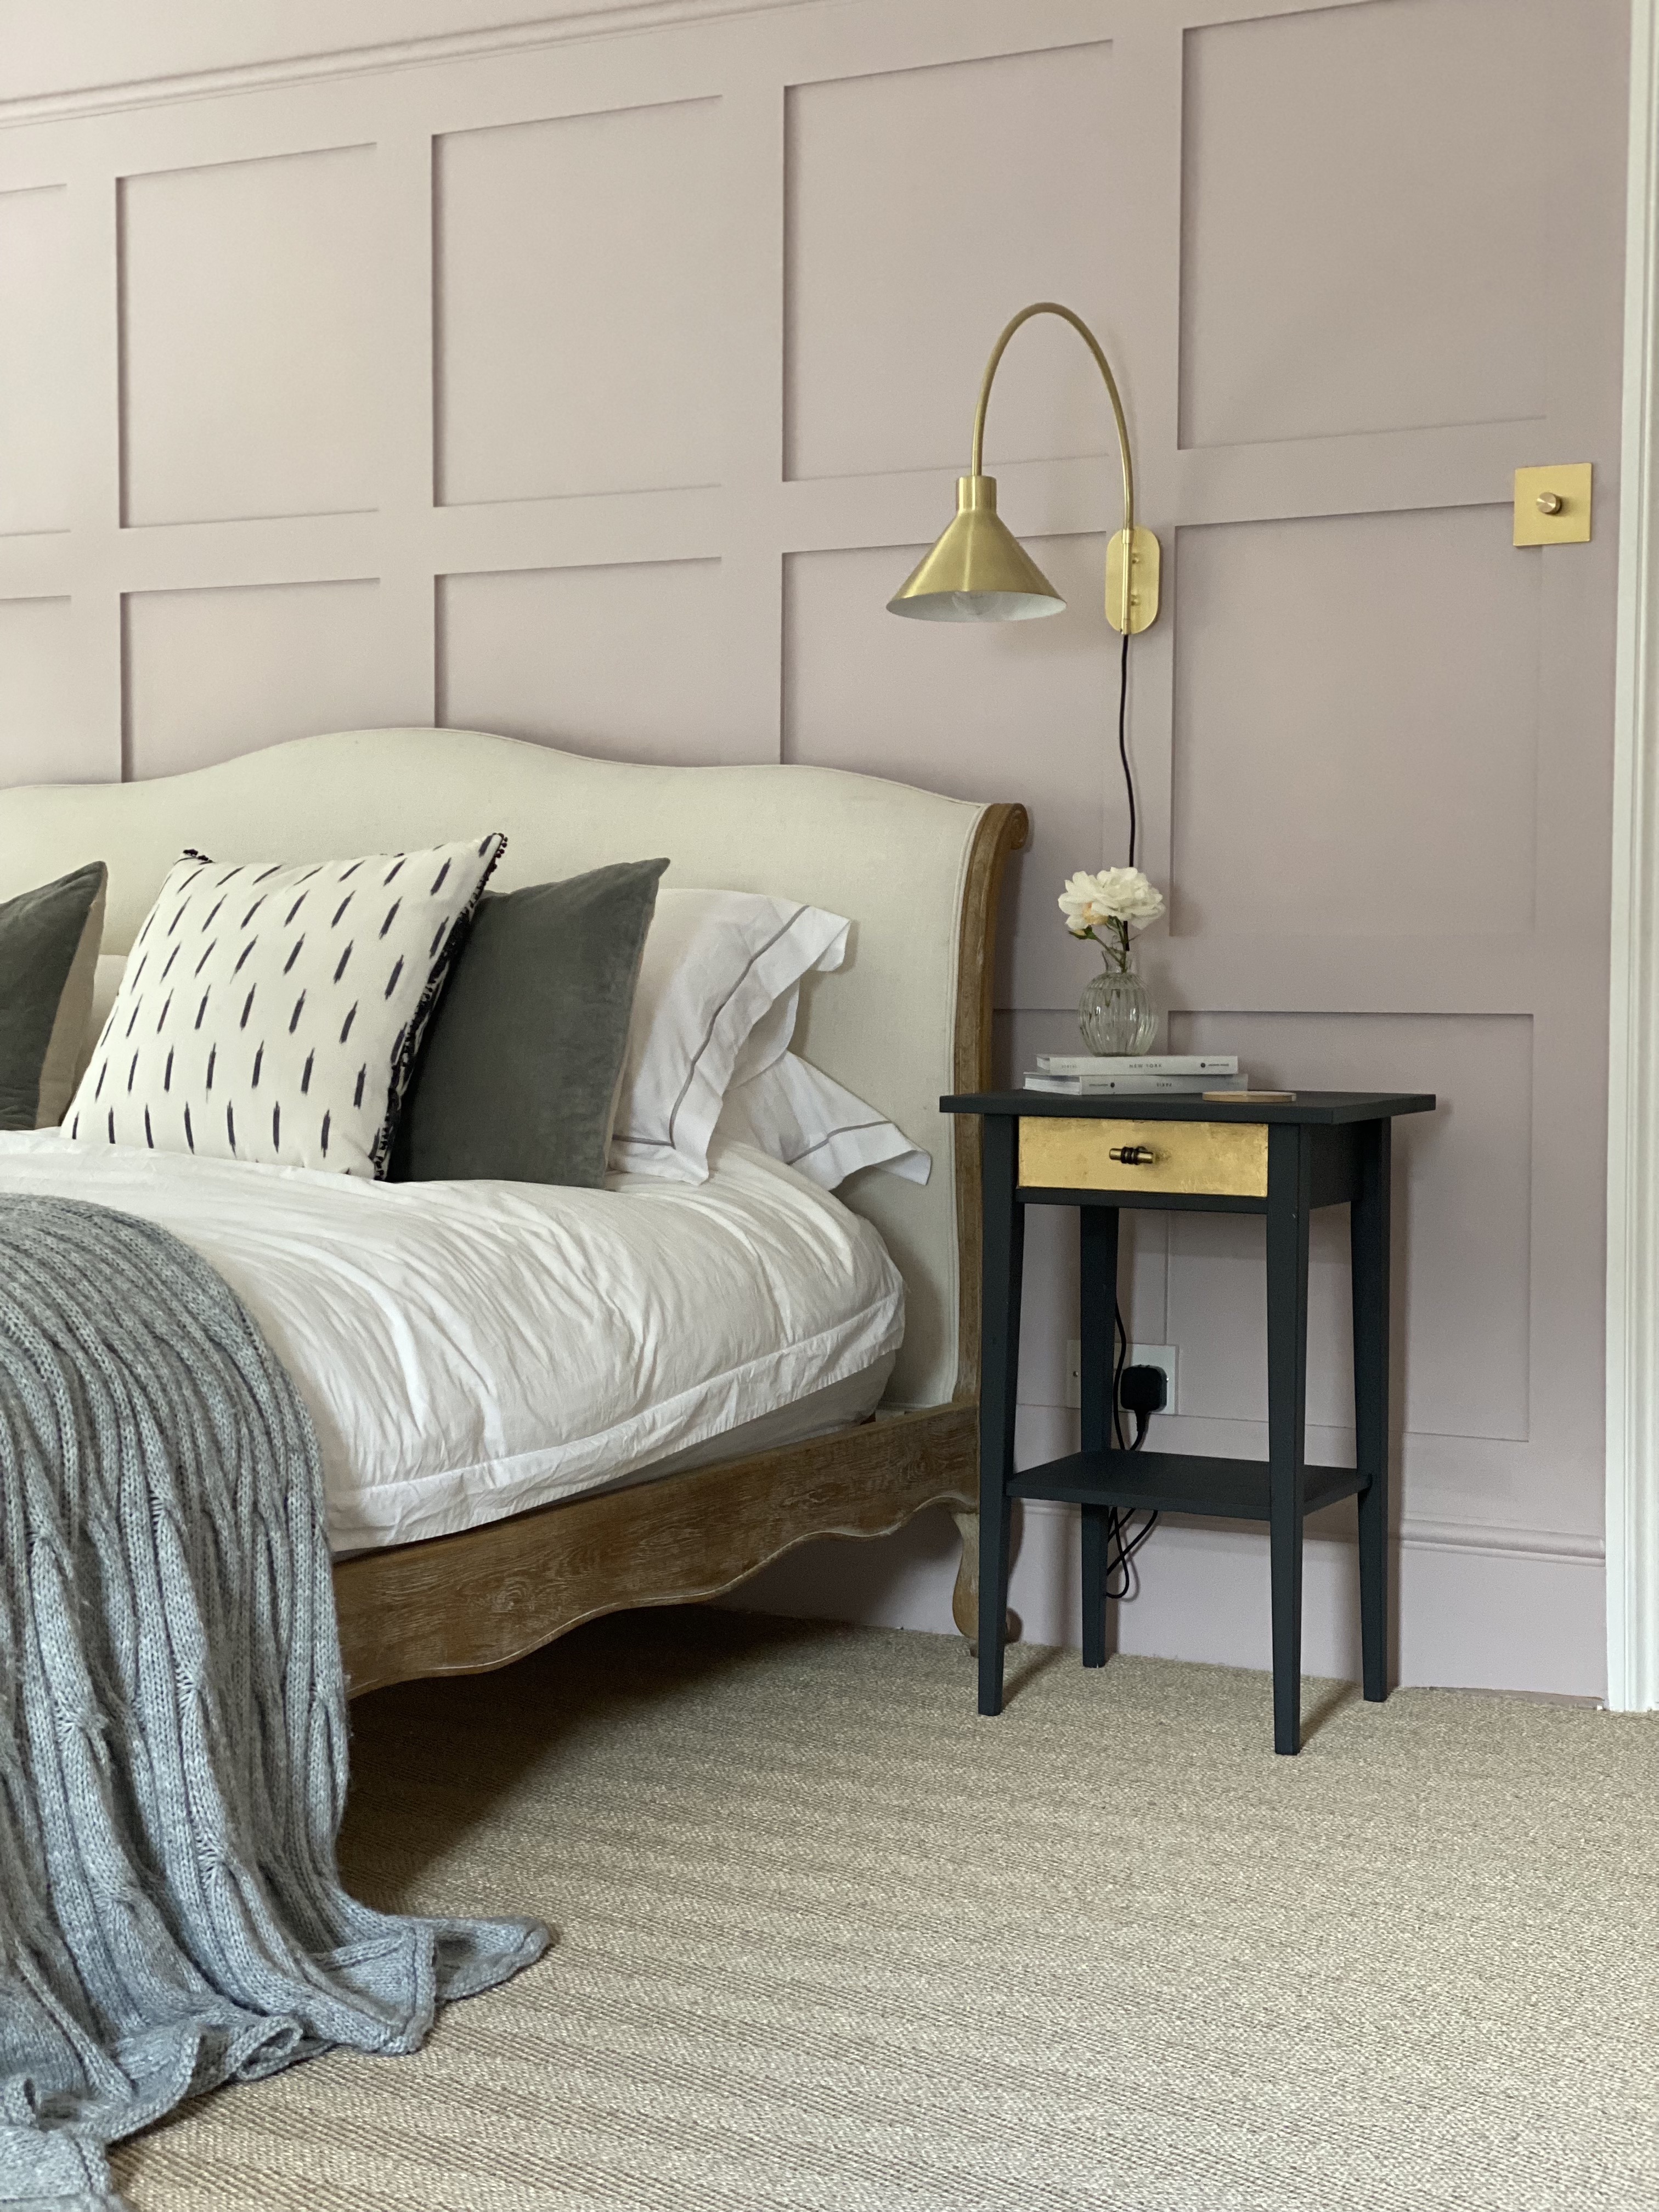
1142	1391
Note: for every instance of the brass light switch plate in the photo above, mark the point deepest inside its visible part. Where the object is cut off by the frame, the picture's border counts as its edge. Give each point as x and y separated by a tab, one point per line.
1553	505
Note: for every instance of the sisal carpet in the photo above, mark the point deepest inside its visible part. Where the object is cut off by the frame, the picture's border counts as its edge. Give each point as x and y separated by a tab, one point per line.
830	1941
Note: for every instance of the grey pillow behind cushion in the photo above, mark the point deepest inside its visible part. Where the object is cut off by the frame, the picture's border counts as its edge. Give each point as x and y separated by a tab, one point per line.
522	1065
49	941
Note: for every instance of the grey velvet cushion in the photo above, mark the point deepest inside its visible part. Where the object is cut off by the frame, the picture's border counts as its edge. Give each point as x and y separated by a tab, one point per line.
523	1062
49	941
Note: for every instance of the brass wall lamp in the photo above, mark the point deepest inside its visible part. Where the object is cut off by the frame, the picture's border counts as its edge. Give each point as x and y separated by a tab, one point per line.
979	572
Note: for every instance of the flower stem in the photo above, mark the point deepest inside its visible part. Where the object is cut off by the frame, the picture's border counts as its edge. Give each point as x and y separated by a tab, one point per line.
1116	956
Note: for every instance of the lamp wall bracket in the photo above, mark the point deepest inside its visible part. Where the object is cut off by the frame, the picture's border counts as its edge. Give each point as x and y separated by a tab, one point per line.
1134	562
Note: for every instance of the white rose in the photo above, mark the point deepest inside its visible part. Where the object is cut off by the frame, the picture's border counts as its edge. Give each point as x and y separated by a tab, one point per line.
1114	895
1076	902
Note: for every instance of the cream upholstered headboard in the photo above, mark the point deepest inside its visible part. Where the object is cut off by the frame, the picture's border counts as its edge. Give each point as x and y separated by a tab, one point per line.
900	862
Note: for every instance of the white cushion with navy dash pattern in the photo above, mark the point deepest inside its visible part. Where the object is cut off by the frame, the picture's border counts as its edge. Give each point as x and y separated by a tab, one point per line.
273	1014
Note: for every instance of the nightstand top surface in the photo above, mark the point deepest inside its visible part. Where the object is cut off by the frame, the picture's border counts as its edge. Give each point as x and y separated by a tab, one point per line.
1327	1108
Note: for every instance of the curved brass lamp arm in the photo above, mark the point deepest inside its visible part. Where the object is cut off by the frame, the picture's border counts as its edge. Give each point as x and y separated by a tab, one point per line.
1053	307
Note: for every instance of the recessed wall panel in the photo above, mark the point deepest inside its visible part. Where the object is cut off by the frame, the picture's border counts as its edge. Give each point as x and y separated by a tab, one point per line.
1462	1179
38	379
1363	219
250	354
580	304
996	711
924	207
44	736
1356	725
211	674
625	661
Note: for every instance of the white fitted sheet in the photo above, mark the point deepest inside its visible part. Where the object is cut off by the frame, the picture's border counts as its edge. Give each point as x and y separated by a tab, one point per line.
469	1350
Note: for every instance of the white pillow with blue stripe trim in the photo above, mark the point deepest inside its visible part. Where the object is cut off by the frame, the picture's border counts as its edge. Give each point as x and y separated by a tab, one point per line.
716	964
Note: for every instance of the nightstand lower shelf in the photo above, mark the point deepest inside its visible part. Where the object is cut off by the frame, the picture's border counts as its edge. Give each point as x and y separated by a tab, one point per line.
1177	1482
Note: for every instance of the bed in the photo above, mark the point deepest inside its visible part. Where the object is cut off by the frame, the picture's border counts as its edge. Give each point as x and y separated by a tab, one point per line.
450	1575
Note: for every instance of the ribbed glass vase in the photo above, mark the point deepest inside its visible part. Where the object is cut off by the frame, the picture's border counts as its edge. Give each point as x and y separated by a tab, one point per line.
1115	1012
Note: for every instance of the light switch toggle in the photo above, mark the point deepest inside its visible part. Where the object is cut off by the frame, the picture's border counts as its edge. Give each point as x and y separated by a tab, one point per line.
1552	505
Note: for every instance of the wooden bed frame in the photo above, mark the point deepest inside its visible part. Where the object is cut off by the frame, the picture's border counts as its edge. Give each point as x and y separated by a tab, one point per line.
461	1604
907	1019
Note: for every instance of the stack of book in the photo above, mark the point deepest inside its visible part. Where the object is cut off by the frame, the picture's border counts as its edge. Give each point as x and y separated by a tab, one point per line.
1087	1075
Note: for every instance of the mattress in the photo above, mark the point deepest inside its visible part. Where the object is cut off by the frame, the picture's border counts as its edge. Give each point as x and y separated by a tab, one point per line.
469	1350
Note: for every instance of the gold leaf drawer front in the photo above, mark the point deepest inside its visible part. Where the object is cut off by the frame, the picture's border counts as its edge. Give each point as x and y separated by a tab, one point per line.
1224	1159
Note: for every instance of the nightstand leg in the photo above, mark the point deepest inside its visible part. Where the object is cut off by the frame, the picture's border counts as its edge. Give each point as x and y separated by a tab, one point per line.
1368	1229
1004	1256
1098	1228
1290	1193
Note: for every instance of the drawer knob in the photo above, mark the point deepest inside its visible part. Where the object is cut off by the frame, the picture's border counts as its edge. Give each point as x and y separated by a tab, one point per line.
1133	1156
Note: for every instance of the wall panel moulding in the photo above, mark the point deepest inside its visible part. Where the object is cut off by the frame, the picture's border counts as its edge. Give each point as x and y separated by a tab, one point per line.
602	390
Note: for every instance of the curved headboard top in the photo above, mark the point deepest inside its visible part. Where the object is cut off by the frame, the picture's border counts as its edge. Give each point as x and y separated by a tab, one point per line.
906	865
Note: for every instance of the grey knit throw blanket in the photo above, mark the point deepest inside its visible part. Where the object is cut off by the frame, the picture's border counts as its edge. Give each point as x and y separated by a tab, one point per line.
173	1717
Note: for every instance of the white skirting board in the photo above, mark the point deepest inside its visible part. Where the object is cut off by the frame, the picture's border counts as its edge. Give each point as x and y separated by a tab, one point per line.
1467	1618
1497	1610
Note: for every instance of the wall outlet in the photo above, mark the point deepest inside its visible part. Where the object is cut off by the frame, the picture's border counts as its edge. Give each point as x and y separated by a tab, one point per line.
1158	1355
1140	1355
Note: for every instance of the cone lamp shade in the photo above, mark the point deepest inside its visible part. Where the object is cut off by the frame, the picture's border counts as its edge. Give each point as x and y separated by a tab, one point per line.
979	571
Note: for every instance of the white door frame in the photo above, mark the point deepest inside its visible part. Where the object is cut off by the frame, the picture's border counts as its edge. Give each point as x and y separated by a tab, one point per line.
1632	1533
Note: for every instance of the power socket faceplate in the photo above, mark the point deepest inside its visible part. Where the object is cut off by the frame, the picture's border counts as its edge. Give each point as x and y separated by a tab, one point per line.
1158	1355
1140	1355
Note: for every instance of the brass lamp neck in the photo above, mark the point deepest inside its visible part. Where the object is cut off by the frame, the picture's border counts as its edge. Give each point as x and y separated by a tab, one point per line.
1052	307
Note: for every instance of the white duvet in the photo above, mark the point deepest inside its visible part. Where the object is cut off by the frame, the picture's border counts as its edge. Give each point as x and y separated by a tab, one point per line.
470	1350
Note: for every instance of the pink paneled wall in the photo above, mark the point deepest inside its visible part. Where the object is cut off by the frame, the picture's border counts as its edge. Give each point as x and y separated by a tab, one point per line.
599	389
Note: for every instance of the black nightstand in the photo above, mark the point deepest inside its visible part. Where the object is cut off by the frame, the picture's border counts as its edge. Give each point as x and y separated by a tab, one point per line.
1191	1154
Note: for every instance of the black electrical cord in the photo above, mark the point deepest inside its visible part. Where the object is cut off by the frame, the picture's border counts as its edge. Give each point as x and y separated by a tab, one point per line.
1120	1577
1123	1539
1123	741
